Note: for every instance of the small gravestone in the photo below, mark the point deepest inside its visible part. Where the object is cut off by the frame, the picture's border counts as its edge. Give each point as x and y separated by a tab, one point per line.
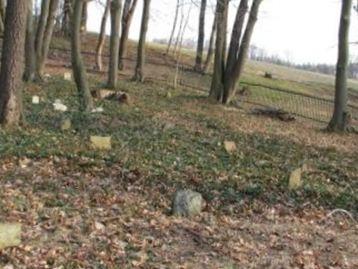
230	146
67	76
187	203
10	235
58	106
35	100
97	110
101	142
65	124
295	180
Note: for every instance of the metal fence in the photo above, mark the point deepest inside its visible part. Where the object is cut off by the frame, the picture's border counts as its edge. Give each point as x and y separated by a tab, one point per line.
314	108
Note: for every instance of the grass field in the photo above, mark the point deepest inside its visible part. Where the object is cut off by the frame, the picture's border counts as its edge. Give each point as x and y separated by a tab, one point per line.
86	208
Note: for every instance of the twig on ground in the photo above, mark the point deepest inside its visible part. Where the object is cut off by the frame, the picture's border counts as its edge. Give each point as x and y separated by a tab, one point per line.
339	210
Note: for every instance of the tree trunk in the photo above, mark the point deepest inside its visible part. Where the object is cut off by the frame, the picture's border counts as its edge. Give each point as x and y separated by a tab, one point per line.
102	37
79	71
12	63
210	53
181	27
128	11
41	28
116	9
236	37
174	26
50	24
84	17
340	118
139	75
201	37
66	16
217	78
30	54
226	18
2	16
234	76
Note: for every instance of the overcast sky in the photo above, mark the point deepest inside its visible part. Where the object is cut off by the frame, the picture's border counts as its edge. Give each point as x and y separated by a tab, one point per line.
301	30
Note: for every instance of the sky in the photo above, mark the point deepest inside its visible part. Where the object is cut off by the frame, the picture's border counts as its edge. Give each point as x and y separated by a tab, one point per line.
302	31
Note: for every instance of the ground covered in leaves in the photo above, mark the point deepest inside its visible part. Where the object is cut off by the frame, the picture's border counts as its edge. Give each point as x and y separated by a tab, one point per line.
85	208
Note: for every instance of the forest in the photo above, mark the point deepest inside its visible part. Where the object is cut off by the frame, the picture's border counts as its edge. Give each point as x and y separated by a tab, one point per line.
163	153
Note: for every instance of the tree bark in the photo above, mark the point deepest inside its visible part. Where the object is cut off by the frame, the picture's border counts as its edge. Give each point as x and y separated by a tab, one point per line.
30	53
47	36
174	26
102	37
66	16
217	78
234	76
2	16
226	18
84	17
128	11
236	37
12	63
79	71
201	37
139	72
41	28
116	9
180	30
340	121
210	53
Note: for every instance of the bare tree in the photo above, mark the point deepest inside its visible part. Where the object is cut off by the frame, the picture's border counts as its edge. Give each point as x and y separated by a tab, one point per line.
340	118
12	63
44	34
116	9
139	75
30	53
226	76
201	37
102	37
218	74
41	28
128	11
233	75
2	16
210	53
79	71
84	17
66	17
175	22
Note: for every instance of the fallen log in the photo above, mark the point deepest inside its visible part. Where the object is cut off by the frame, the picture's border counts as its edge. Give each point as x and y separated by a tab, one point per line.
121	97
274	113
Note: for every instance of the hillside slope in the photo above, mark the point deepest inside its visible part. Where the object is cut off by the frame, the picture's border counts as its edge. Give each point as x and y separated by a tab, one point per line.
87	208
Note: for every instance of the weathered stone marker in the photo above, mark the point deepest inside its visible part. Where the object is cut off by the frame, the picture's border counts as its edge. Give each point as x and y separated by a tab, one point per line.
295	180
67	76
230	146
35	100
101	142
10	235
187	203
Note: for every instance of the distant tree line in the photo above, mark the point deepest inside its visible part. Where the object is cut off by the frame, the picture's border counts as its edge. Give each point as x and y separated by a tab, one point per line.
261	55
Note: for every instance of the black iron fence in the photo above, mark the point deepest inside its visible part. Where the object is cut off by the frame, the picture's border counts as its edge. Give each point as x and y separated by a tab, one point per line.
315	108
